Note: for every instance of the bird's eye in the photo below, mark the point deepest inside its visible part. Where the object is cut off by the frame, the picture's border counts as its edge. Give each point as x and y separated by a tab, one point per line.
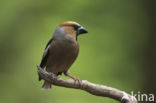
75	27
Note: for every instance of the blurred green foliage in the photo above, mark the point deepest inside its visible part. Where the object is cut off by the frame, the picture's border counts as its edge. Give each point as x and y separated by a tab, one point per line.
110	54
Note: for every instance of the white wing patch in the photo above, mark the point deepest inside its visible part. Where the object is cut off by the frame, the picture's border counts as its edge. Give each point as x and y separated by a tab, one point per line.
46	51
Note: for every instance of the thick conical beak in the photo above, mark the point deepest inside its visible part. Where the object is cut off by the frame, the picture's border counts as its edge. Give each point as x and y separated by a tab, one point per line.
82	30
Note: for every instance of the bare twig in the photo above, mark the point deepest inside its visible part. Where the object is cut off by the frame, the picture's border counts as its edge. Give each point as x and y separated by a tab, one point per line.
95	89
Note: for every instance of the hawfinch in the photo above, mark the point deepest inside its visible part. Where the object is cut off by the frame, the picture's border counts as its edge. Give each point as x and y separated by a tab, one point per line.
62	50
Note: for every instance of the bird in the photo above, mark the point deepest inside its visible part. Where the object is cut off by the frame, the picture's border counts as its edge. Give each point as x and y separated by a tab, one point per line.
62	50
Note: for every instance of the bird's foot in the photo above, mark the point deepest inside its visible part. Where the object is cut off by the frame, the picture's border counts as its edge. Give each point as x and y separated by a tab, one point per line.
75	79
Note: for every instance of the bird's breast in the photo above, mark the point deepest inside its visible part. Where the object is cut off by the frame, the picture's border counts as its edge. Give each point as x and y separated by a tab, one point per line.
64	48
62	55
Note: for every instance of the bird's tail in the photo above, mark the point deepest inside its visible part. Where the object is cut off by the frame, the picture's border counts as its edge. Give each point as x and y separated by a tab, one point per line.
46	86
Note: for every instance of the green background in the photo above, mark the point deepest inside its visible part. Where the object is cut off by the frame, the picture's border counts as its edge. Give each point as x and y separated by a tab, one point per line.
118	51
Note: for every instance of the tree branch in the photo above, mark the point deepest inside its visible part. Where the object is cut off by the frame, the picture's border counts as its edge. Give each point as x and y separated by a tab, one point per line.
95	89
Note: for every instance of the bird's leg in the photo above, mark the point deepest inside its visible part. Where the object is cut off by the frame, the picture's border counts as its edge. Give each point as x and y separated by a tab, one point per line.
74	78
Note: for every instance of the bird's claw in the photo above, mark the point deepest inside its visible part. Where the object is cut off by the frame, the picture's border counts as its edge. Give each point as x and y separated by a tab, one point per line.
77	79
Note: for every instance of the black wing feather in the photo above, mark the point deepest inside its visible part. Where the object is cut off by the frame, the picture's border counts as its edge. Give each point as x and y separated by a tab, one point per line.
45	56
44	60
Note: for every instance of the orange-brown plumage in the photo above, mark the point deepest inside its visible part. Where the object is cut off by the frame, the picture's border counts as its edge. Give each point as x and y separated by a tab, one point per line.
68	28
69	23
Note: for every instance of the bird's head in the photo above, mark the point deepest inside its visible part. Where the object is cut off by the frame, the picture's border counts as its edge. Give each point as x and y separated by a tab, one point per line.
71	29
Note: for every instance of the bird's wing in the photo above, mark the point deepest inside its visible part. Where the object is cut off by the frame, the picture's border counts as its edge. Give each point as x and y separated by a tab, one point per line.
46	54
